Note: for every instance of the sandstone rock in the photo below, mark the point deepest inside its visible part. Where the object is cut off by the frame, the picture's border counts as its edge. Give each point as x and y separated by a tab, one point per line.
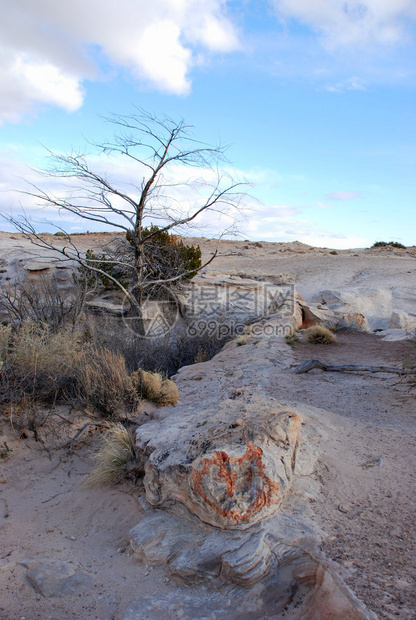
239	297
54	578
301	589
194	552
337	319
392	335
403	320
381	308
38	267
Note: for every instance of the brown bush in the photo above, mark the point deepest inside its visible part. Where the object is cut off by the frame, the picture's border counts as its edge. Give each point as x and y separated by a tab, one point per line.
38	362
319	335
5	334
104	383
152	386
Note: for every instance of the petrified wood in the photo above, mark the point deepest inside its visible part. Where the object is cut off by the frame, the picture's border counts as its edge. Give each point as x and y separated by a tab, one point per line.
230	466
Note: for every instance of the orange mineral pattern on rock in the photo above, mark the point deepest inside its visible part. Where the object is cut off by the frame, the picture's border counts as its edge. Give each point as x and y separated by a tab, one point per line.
243	477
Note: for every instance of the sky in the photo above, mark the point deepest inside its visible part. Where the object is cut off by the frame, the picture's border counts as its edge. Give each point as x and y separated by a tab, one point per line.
316	100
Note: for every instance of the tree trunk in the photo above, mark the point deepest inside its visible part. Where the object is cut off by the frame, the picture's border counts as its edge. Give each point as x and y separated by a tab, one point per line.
136	323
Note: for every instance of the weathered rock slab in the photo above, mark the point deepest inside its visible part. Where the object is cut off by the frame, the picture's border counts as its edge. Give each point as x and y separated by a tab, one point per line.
381	308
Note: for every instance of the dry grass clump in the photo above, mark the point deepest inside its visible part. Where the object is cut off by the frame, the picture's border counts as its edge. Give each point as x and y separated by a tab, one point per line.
115	460
201	356
292	339
40	365
5	333
152	386
319	335
104	383
39	362
241	340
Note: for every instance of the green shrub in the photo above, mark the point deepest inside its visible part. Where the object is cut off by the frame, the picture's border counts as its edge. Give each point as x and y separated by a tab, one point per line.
384	244
106	265
319	335
168	252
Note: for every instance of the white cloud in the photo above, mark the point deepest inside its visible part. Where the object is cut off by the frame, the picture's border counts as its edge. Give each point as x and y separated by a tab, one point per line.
348	23
343	196
48	49
353	83
45	82
291	227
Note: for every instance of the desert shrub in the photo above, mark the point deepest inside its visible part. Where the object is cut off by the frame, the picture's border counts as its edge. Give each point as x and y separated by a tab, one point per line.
44	302
165	354
384	244
319	335
103	383
192	349
169	253
152	386
292	339
115	460
5	333
40	362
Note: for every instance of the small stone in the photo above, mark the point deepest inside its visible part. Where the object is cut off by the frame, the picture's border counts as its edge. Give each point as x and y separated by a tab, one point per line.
54	578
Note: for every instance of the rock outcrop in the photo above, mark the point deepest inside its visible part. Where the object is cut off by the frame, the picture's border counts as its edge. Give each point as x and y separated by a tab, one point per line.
379	309
228	478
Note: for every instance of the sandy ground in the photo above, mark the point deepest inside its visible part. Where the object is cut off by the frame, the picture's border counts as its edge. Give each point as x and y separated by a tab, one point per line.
367	469
50	516
366	505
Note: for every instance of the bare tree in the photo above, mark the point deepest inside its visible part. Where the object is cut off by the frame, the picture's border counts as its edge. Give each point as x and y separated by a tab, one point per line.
160	150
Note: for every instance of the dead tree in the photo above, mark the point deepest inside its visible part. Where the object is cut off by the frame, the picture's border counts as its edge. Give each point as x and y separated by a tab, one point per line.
160	150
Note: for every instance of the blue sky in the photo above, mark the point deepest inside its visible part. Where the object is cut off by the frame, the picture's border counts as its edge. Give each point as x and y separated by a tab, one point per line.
316	100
